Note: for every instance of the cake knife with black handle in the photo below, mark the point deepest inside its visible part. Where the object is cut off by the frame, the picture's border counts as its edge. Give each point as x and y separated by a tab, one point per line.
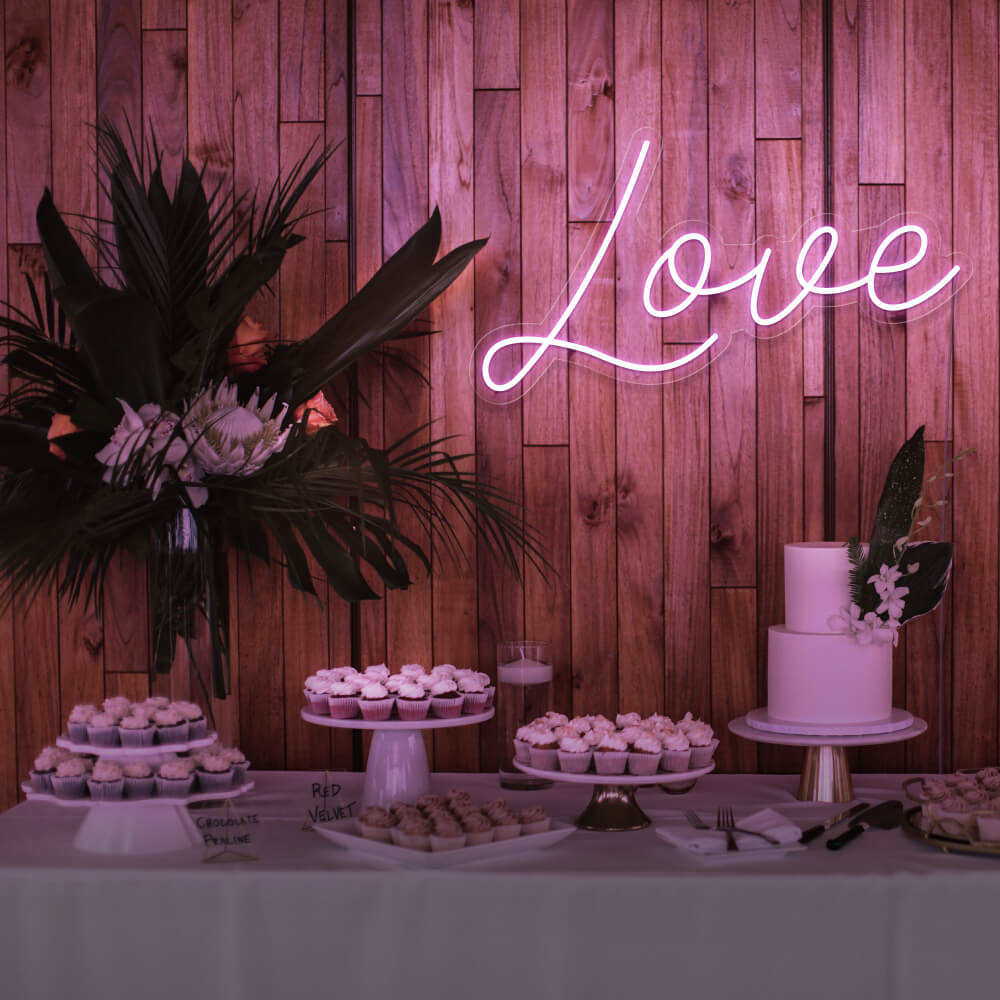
820	828
886	816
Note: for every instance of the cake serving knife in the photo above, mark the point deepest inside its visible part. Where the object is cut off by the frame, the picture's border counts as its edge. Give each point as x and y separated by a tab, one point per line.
820	828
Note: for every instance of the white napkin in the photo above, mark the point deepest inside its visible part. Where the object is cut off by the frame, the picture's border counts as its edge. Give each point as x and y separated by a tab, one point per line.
714	841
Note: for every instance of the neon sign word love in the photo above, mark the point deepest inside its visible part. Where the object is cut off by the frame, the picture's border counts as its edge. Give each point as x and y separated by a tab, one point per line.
809	283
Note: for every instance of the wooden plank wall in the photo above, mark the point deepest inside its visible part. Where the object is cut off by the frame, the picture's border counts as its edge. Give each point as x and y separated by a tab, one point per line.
663	508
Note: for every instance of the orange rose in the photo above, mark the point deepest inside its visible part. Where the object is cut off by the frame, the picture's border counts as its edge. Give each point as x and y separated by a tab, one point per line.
317	411
247	351
61	424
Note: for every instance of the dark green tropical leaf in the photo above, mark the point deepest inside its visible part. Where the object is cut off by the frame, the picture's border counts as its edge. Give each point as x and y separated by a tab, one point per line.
64	260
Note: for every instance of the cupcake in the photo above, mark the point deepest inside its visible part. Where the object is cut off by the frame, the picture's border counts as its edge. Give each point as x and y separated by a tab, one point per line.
45	766
136	731
412	701
574	755
239	762
171	726
543	748
343	699
195	717
156	703
623	721
553	719
611	754
376	823
393	683
117	707
377	672
478	828
413	832
412	671
703	743
446	700
676	751
317	692
70	779
79	719
489	687
444	670
214	773
102	730
139	783
534	820
506	825
106	782
446	834
522	746
473	692
644	757
175	778
375	701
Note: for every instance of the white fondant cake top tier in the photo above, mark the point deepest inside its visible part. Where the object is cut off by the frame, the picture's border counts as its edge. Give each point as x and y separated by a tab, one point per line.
816	584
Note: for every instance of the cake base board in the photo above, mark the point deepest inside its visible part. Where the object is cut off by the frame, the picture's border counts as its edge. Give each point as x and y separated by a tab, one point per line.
898	720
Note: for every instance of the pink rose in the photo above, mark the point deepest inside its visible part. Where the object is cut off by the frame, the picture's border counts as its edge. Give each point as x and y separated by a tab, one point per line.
248	349
61	425
317	411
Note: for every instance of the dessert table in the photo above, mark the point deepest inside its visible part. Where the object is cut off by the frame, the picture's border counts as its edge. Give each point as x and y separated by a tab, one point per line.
614	914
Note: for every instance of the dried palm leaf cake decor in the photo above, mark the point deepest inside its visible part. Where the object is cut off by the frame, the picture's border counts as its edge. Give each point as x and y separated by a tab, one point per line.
153	414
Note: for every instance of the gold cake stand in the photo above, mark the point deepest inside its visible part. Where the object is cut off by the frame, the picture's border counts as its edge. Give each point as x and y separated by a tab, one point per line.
612	807
826	774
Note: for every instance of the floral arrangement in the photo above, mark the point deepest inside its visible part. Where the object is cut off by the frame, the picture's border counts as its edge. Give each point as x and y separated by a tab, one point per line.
154	414
896	579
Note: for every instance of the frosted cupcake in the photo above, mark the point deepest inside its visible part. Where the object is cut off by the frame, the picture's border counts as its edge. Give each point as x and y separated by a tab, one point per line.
412	701
79	719
214	773
676	751
446	834
522	745
136	731
446	670
644	757
343	699
506	825
175	778
171	726
317	692
478	828
394	682
574	755
543	748
703	743
102	730
623	720
376	823
412	671
611	754
117	707
197	723
45	766
106	782
139	783
489	687
446	701
473	692
413	832
70	779
155	703
375	701
534	820
239	762
377	672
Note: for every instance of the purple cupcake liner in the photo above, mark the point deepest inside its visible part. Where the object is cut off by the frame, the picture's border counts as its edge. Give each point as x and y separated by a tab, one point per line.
474	702
73	787
77	732
240	773
106	791
172	734
174	788
446	708
377	710
139	788
215	781
137	737
197	728
343	708
413	710
319	704
102	736
41	781
491	693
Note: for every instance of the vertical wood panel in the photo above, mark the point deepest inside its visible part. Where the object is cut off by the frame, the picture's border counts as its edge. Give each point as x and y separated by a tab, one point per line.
496	64
881	92
453	400
119	63
337	118
639	409
301	61
28	117
733	402
593	494
498	302
368	47
976	194
164	58
734	653
164	14
590	109
813	467
778	68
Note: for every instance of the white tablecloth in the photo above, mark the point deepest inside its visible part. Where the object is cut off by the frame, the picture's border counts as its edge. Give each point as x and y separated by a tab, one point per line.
597	914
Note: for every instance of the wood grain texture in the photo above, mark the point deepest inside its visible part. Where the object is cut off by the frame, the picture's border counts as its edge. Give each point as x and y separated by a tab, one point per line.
28	119
734	652
368	47
301	61
119	62
881	91
590	119
778	67
496	50
813	465
165	13
164	98
337	116
543	208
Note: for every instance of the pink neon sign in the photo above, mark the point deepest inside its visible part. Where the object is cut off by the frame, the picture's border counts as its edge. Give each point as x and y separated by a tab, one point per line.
809	282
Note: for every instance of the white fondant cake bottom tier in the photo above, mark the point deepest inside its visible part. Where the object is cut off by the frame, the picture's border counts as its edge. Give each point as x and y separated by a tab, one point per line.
826	679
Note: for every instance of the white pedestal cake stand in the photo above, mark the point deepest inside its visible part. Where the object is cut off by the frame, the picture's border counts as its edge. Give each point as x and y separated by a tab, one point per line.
137	826
612	807
826	776
397	768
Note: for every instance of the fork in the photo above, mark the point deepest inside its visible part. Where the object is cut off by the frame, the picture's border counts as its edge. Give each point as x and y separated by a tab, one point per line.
725	821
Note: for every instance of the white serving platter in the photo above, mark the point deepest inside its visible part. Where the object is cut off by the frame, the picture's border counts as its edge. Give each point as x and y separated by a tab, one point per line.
139	753
346	833
768	853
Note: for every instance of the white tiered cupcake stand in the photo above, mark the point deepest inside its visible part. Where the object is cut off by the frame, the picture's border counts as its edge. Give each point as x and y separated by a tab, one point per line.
826	775
612	807
155	825
397	769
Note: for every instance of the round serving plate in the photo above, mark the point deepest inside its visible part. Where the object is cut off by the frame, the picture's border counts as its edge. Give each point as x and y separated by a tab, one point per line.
914	825
897	720
138	826
397	768
612	807
157	753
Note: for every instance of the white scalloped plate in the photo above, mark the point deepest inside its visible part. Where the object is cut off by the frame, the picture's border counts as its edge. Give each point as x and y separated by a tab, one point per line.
345	833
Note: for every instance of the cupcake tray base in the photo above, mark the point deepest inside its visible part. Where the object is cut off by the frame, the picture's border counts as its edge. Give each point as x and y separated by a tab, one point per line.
397	769
156	754
137	826
612	807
